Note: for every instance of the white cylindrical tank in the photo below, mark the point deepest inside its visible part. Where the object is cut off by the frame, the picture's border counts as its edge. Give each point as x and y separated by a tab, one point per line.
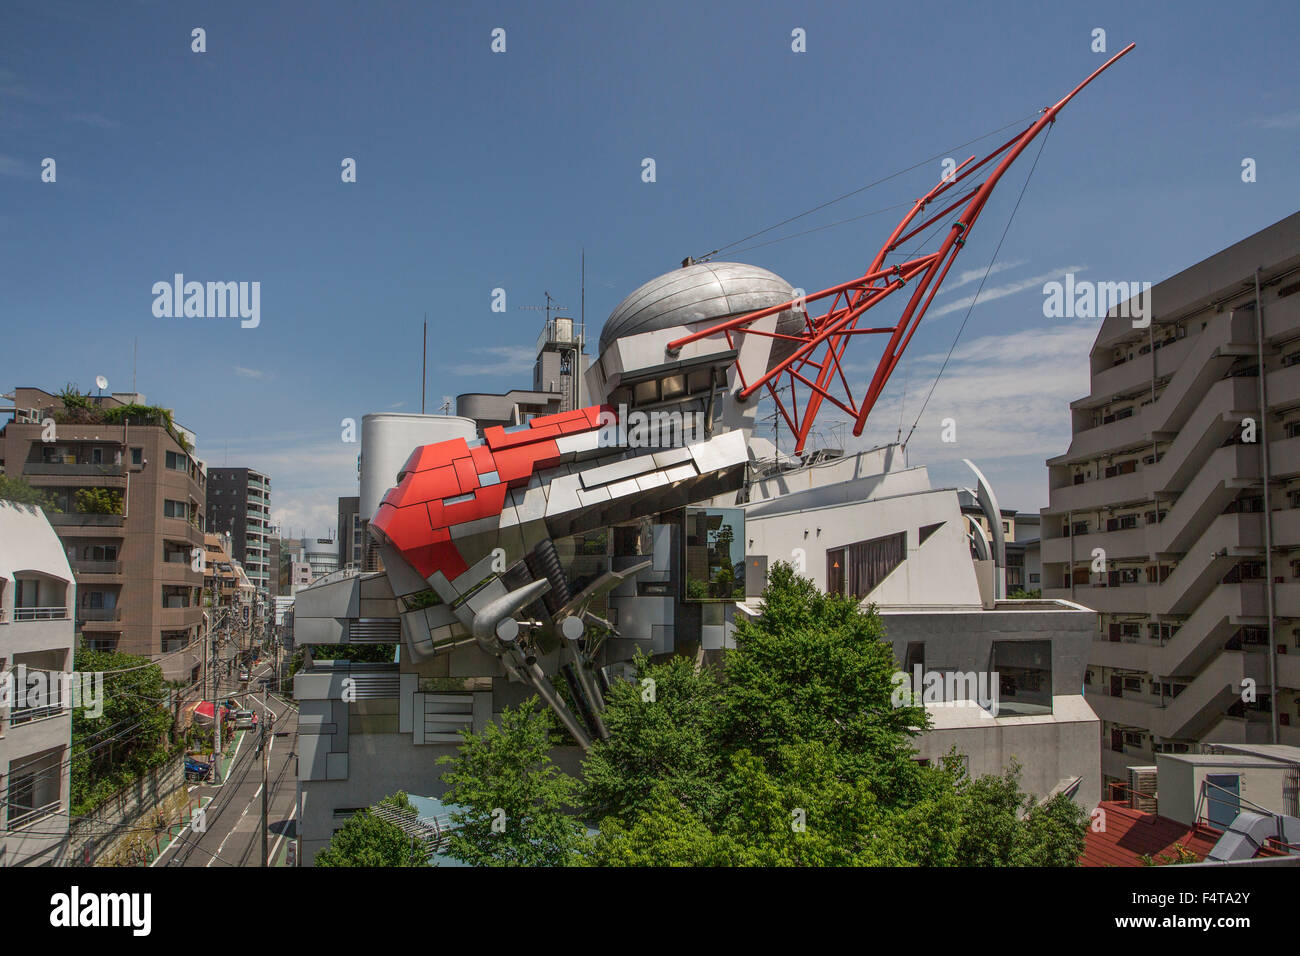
387	440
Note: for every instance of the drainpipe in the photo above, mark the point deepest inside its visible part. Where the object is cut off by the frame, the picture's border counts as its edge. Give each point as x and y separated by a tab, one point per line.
1268	511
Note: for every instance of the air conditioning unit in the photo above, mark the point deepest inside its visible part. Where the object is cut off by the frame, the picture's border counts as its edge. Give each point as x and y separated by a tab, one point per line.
1142	789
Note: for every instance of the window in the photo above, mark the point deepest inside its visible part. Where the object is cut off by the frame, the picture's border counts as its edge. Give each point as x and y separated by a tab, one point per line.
177	462
835	567
137	456
174	509
870	562
715	554
1024	676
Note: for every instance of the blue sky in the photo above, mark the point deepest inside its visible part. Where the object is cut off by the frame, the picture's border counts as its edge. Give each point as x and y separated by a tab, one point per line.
478	170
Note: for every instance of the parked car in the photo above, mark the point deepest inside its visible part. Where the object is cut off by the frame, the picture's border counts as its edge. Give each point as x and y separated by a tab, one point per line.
243	675
197	770
245	719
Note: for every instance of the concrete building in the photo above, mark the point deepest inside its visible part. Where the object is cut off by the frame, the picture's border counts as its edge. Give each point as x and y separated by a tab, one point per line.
1161	519
239	501
131	496
350	530
670	548
37	592
229	603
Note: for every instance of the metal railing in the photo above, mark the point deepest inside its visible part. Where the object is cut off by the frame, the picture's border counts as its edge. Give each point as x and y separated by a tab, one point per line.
32	814
97	567
98	613
26	715
86	520
73	468
40	614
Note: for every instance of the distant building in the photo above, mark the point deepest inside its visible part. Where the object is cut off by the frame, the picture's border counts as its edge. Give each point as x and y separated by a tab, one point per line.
239	501
36	634
132	499
350	531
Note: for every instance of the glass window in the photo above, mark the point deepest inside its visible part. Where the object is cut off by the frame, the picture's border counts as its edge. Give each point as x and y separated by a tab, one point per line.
715	554
1024	675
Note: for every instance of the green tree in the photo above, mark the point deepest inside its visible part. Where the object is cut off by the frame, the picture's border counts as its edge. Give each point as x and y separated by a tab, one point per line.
370	840
663	736
98	501
20	492
814	667
130	737
514	801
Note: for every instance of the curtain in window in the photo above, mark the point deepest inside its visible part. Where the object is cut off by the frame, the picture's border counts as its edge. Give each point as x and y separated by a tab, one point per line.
871	561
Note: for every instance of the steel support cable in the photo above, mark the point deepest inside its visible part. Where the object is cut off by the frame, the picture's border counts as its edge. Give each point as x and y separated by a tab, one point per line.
987	271
861	189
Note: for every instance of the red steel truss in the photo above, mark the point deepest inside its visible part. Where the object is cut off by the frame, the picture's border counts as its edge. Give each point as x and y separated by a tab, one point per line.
816	362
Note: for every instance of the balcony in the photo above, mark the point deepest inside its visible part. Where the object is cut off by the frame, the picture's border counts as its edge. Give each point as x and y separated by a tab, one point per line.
26	715
88	567
20	817
77	469
99	614
40	614
75	520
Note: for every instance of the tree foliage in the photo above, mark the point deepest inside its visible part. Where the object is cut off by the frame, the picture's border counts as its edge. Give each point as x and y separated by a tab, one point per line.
514	803
791	753
370	840
20	492
129	738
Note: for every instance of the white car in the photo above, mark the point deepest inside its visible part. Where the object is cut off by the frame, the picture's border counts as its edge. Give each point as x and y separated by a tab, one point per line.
245	719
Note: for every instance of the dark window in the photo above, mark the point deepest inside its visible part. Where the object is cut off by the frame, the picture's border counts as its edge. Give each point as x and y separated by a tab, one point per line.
870	562
1024	675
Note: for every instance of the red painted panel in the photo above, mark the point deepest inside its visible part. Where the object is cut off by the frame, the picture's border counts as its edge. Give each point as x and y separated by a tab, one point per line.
483	461
487	502
466	474
434	483
436	455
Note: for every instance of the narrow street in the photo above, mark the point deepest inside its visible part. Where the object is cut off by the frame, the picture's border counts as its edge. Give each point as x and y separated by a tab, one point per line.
232	834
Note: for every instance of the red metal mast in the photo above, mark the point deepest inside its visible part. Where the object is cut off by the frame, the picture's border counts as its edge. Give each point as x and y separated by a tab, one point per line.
830	334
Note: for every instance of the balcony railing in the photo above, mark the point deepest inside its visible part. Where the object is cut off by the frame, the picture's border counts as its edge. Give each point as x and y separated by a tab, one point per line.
97	567
25	715
40	614
71	468
99	613
21	816
89	521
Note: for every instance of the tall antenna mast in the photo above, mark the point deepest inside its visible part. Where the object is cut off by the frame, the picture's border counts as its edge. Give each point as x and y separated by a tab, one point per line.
424	361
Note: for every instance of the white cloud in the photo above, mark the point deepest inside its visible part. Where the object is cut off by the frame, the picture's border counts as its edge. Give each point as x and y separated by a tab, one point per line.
308	475
97	120
1002	291
249	372
1009	396
1281	121
971	275
507	359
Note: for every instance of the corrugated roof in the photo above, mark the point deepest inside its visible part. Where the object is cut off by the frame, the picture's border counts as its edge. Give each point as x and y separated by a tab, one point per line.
1129	834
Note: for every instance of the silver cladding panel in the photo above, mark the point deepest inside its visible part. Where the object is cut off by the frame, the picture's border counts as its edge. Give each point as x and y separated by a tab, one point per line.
698	293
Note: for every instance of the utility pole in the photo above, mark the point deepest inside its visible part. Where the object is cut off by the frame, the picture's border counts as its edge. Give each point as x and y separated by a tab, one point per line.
216	718
265	758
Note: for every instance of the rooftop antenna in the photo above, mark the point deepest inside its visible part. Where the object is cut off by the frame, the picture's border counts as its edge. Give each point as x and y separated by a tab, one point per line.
101	383
424	361
445	407
135	361
582	305
550	304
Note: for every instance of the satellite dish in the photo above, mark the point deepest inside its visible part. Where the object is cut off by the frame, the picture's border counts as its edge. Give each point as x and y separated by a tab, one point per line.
100	382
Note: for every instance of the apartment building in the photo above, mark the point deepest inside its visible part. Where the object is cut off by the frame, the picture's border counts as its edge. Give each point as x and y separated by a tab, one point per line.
239	501
130	496
229	600
1160	517
36	634
350	532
